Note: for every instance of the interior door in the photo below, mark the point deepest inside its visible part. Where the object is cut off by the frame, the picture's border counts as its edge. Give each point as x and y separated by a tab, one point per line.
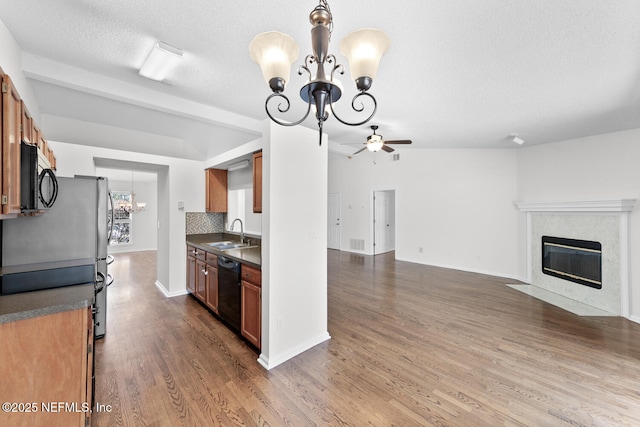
383	221
333	221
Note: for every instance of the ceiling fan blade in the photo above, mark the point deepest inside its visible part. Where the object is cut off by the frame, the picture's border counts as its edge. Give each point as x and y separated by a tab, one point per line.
399	141
387	149
360	150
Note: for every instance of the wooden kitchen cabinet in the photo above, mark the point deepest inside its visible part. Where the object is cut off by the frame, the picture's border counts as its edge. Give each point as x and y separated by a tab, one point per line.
195	272
257	182
251	305
211	282
16	126
201	281
191	270
216	190
10	153
26	124
202	276
50	360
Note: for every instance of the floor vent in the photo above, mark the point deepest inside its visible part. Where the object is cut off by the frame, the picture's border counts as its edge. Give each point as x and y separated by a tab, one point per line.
396	157
356	244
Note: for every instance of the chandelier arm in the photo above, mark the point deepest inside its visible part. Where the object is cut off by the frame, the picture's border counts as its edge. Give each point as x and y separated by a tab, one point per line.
357	109
284	110
337	67
302	68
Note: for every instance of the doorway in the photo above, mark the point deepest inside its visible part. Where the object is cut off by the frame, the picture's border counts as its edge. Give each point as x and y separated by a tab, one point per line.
384	221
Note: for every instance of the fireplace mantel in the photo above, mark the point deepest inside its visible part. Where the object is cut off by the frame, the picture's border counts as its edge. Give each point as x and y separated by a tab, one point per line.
612	205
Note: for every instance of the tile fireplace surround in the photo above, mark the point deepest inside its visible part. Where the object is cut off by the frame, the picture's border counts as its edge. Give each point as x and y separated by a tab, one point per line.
604	221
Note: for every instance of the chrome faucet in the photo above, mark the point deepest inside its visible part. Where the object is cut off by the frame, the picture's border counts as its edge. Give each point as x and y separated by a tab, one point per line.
241	229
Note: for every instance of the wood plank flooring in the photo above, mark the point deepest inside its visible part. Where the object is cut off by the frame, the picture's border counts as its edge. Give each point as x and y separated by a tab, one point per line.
411	345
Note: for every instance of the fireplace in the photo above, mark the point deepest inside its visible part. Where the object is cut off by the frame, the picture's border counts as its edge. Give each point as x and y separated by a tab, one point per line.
578	261
599	221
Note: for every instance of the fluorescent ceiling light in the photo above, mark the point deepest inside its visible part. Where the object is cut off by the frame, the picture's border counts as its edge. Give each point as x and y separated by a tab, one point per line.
239	165
161	61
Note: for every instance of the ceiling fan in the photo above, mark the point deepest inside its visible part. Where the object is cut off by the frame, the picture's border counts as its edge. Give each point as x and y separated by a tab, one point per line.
376	143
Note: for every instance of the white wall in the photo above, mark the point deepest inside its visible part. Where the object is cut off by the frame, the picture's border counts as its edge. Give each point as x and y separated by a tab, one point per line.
178	180
11	64
457	205
294	242
599	167
144	235
240	203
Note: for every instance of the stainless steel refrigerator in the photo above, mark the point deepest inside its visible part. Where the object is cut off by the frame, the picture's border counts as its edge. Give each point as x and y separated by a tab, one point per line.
77	226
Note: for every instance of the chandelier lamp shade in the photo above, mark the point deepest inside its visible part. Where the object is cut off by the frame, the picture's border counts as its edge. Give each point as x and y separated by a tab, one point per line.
275	52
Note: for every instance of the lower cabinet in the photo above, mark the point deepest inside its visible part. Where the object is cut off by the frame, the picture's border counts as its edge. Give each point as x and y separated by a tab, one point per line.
47	371
251	305
191	273
202	276
202	282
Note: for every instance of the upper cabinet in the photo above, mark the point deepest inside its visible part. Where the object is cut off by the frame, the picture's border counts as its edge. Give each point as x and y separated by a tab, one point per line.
257	182
11	136
26	126
16	126
216	188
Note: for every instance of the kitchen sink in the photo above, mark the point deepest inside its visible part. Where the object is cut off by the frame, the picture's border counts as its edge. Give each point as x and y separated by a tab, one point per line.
217	244
226	246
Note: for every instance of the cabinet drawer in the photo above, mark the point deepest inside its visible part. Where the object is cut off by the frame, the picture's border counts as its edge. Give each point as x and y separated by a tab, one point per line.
251	275
195	252
212	259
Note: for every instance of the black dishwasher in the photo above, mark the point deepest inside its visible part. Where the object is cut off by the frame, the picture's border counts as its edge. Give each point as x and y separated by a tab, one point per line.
229	291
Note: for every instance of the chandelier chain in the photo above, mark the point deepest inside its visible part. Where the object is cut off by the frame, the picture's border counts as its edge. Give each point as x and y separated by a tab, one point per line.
325	5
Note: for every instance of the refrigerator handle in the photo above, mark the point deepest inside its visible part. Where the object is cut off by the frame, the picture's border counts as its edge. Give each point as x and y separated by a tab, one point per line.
100	281
112	219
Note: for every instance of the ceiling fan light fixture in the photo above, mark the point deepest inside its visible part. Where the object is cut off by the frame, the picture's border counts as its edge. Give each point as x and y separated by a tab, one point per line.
374	143
162	59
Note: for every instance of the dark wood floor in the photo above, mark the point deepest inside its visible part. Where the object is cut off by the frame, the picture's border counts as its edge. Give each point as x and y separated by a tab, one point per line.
411	345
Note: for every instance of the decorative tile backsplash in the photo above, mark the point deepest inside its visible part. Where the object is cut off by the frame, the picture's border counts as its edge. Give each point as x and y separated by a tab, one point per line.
203	222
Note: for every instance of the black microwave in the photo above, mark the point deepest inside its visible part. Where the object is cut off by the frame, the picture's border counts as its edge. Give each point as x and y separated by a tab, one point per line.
38	184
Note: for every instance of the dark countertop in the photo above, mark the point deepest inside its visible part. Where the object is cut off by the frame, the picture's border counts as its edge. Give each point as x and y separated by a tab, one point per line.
41	303
251	256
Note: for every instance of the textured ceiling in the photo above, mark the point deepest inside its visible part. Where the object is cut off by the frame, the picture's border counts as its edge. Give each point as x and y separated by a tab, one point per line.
458	73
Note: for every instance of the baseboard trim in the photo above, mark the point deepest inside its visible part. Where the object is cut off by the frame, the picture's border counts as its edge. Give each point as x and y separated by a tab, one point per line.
468	270
271	362
169	294
634	319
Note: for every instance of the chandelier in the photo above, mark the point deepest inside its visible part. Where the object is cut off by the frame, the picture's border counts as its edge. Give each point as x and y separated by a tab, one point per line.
130	205
275	52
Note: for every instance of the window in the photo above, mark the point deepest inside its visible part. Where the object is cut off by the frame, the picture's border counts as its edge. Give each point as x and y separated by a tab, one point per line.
122	204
